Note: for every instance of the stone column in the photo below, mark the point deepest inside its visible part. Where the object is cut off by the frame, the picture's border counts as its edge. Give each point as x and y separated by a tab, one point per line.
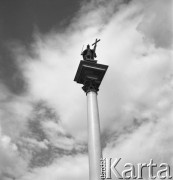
94	144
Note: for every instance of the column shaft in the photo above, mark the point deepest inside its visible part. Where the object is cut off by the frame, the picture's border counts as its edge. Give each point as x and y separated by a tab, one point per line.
94	144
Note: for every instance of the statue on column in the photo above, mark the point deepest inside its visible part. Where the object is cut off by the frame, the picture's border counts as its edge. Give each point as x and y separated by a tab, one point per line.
89	54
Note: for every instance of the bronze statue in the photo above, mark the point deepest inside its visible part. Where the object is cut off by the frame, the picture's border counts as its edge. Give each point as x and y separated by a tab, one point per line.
89	54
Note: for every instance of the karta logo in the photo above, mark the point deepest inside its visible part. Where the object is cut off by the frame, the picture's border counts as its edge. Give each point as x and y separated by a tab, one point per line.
109	167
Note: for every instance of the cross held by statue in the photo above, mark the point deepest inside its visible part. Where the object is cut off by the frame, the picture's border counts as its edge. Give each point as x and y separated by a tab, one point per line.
97	40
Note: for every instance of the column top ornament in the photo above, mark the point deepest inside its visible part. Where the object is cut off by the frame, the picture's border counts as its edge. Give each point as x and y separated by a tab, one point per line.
89	72
89	54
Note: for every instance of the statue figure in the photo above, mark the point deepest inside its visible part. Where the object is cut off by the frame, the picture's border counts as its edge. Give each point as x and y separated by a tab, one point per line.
90	54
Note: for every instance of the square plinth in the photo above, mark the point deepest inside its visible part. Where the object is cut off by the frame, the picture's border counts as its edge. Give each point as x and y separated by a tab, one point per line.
89	70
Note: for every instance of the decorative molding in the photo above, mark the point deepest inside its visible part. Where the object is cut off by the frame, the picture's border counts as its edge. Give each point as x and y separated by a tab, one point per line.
90	85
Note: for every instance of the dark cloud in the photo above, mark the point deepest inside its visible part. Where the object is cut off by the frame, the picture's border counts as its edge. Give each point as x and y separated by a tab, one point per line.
10	73
41	112
19	18
113	137
41	157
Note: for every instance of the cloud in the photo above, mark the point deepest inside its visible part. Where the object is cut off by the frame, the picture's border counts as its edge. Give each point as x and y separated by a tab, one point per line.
65	168
135	97
157	23
153	140
11	164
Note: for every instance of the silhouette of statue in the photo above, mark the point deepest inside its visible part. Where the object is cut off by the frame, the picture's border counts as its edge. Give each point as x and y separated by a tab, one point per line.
90	54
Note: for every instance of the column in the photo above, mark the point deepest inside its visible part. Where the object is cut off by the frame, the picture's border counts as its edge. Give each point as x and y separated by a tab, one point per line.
94	144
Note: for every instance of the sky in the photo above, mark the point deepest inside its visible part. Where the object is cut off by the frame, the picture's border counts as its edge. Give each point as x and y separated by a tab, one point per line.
43	123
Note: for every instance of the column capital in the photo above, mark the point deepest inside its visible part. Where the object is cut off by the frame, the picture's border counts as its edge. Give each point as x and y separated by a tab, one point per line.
90	85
